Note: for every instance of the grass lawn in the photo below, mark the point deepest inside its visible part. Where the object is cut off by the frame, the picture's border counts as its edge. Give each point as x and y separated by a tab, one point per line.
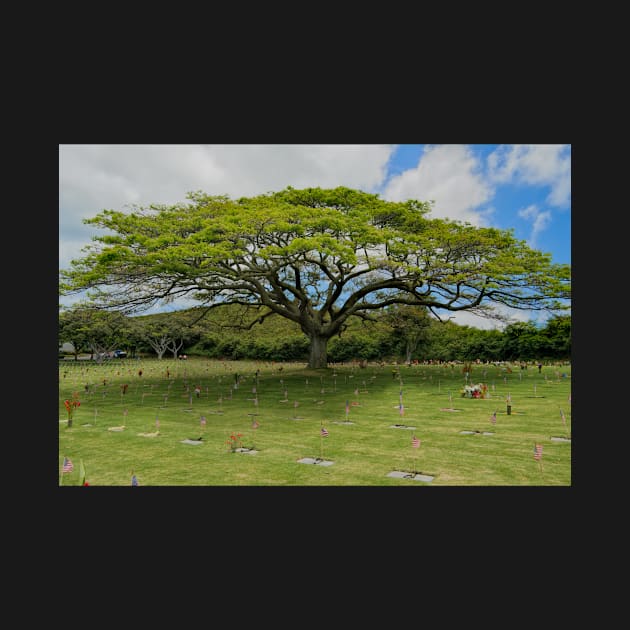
162	403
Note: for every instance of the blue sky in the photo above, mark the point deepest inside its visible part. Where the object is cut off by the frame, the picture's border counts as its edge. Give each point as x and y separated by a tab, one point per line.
526	188
530	189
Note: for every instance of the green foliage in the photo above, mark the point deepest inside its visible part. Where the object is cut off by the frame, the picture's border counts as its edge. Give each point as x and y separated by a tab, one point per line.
216	335
92	330
319	258
556	338
352	347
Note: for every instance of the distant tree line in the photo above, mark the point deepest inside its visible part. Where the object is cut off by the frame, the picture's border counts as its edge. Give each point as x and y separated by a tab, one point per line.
400	333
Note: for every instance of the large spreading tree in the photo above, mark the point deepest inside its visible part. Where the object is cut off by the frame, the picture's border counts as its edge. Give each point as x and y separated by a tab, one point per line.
317	257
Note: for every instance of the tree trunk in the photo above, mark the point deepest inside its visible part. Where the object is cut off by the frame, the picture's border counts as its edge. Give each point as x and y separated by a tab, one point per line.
412	345
408	353
318	356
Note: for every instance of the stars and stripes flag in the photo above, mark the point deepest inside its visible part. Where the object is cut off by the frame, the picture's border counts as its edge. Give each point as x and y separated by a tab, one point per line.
347	407
538	450
324	432
134	480
415	442
68	466
255	424
157	422
493	418
203	421
401	409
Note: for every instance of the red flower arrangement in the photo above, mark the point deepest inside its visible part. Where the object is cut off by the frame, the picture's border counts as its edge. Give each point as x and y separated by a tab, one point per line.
71	405
234	442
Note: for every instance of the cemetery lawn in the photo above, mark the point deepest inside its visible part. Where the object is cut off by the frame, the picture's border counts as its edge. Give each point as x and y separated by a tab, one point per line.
162	404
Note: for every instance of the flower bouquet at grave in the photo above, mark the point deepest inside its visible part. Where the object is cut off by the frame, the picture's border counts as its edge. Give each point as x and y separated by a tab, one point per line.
477	390
71	405
234	442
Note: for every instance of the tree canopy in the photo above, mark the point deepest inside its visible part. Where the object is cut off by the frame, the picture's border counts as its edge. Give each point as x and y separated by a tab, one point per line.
317	257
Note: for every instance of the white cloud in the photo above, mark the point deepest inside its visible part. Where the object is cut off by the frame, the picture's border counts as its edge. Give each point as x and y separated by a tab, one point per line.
467	318
537	165
451	176
540	220
96	177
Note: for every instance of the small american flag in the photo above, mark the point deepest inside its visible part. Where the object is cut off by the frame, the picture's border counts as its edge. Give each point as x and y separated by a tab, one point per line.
493	418
563	417
415	442
324	432
401	409
134	480
347	407
68	466
203	421
538	449
157	422
255	424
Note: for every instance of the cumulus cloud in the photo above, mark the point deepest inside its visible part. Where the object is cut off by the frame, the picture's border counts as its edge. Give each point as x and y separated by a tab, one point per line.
538	165
97	177
452	176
